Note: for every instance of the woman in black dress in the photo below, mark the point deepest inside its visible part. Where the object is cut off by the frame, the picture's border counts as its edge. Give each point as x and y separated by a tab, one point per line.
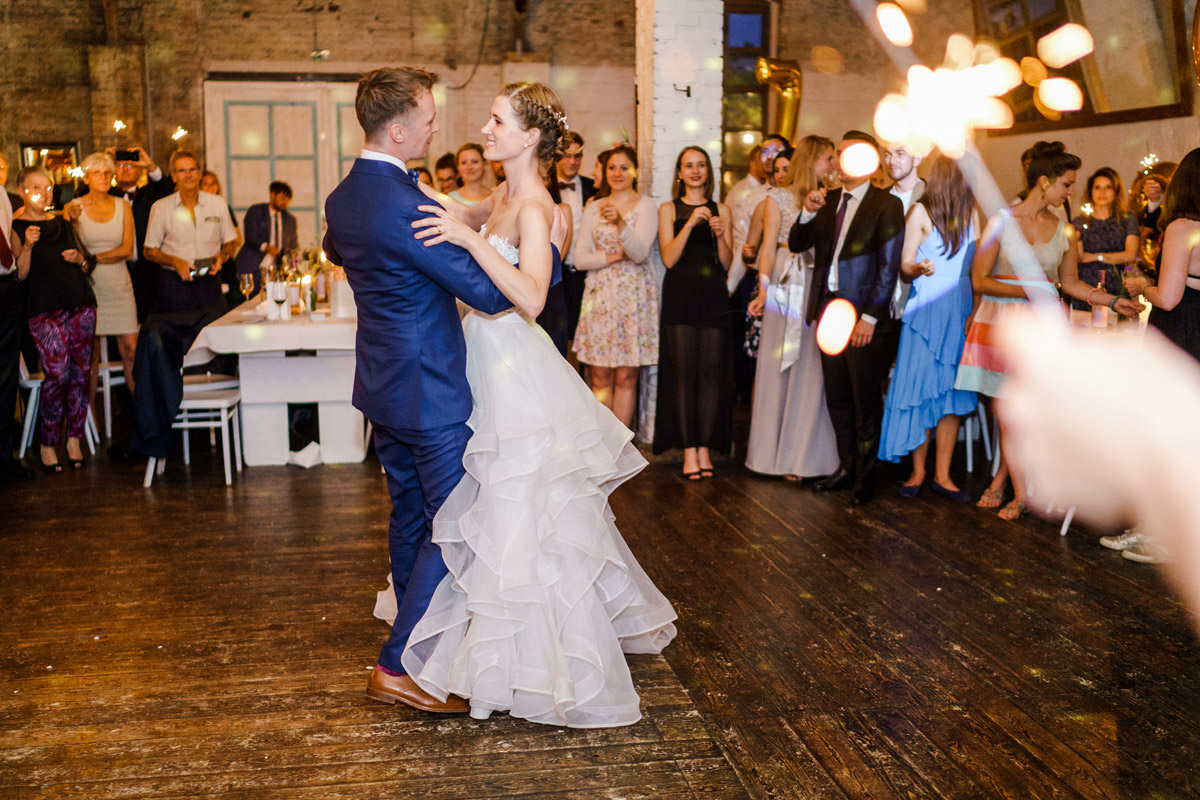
695	380
1176	297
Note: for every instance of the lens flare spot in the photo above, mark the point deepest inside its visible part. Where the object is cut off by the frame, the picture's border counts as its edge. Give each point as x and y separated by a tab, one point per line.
960	51
894	24
1063	45
836	325
827	60
1033	71
859	160
1060	94
691	125
892	122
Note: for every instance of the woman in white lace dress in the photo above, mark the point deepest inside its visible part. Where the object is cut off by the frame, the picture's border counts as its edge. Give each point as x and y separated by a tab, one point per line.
543	597
790	431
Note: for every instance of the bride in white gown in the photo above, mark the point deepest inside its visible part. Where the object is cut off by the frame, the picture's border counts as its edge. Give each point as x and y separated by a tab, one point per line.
543	597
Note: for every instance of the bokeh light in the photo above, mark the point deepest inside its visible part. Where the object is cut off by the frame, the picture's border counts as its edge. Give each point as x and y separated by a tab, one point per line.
1063	45
894	24
1033	71
859	160
960	51
891	121
1060	94
836	325
827	60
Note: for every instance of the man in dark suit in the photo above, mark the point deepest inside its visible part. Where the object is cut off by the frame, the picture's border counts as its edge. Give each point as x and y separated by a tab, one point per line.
143	272
858	232
410	380
269	230
576	190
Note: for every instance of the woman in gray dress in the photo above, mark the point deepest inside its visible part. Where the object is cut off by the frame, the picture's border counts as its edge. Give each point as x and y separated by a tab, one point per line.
790	431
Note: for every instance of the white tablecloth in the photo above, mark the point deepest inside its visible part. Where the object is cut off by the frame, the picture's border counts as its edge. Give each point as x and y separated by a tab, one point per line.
244	330
299	360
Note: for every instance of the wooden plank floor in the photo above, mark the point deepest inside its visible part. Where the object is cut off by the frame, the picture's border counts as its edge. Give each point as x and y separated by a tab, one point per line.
197	641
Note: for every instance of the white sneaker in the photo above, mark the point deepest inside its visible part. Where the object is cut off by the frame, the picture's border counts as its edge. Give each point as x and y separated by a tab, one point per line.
1146	554
1130	538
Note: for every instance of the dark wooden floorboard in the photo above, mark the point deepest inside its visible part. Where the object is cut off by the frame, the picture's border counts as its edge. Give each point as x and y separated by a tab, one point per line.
202	642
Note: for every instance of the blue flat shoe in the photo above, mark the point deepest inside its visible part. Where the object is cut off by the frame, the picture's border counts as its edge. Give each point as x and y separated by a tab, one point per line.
957	495
910	491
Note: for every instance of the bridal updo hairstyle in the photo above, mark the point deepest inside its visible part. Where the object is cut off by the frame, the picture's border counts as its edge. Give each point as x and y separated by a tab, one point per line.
1049	160
536	105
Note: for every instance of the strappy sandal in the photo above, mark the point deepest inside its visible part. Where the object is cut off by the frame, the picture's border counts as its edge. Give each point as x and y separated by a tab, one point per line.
694	477
991	498
706	473
1013	511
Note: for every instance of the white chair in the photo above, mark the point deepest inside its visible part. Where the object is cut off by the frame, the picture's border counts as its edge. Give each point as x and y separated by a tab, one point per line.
208	381
108	375
975	426
33	382
212	409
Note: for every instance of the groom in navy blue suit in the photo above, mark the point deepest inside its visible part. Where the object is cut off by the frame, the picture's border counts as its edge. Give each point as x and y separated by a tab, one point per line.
410	380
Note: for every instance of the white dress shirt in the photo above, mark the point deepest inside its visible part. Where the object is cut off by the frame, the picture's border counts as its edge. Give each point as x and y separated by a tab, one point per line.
375	155
174	231
856	195
573	197
6	213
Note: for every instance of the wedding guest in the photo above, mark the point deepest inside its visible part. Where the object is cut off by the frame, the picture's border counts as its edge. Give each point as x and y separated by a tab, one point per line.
1000	291
497	172
1107	237
939	244
1146	196
695	398
618	322
141	197
61	312
553	318
776	177
104	226
1176	297
602	188
190	234
742	199
790	431
12	323
209	182
901	167
473	175
576	190
270	231
857	237
14	200
446	170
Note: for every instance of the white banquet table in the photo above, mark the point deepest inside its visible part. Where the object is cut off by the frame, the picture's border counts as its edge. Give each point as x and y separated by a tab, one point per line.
299	360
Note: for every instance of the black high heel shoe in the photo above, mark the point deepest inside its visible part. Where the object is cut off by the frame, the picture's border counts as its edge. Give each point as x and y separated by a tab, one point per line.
76	463
53	469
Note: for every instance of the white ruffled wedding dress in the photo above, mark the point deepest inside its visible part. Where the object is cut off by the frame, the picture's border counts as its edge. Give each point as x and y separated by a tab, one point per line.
543	597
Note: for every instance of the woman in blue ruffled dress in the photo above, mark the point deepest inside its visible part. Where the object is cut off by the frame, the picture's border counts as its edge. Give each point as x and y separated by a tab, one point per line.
939	244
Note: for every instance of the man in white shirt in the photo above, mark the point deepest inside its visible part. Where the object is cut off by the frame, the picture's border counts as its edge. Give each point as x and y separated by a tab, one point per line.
902	165
189	235
745	195
12	322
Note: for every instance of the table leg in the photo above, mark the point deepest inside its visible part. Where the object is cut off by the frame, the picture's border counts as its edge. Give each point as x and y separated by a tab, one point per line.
264	433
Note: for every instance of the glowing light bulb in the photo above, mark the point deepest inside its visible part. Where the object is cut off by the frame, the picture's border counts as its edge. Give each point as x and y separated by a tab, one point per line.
1060	94
836	326
1063	45
859	160
894	24
179	133
119	126
747	138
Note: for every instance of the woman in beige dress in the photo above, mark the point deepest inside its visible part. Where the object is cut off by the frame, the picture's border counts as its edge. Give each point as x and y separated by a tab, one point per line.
104	225
790	431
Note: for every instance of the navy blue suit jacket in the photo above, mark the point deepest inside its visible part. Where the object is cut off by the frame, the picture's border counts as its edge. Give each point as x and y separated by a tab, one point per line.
869	263
411	370
256	227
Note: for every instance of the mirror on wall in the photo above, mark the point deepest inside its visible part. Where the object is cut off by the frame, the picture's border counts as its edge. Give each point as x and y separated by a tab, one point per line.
1140	68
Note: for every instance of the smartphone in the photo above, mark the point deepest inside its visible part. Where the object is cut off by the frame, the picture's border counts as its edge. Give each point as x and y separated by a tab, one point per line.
203	266
126	155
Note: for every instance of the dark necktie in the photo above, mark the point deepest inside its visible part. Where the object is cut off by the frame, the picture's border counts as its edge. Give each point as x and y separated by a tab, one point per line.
6	259
840	218
278	240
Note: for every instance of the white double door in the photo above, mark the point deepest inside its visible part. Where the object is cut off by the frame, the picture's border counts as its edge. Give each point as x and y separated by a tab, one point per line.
304	134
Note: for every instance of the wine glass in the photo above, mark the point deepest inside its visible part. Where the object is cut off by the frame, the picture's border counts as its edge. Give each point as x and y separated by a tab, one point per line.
246	284
279	295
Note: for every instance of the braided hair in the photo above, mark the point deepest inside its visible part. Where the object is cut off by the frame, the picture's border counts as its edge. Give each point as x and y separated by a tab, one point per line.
536	105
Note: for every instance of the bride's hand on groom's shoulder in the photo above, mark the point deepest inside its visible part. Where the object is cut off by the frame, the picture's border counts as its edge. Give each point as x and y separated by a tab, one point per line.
442	226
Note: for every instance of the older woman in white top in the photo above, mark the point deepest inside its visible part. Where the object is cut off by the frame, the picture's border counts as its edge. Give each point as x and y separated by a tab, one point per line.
104	225
618	321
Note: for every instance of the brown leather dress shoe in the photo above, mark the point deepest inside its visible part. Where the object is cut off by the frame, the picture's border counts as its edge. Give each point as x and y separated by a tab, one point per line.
401	688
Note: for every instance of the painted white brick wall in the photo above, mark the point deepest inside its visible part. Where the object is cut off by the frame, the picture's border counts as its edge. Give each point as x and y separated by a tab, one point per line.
679	43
